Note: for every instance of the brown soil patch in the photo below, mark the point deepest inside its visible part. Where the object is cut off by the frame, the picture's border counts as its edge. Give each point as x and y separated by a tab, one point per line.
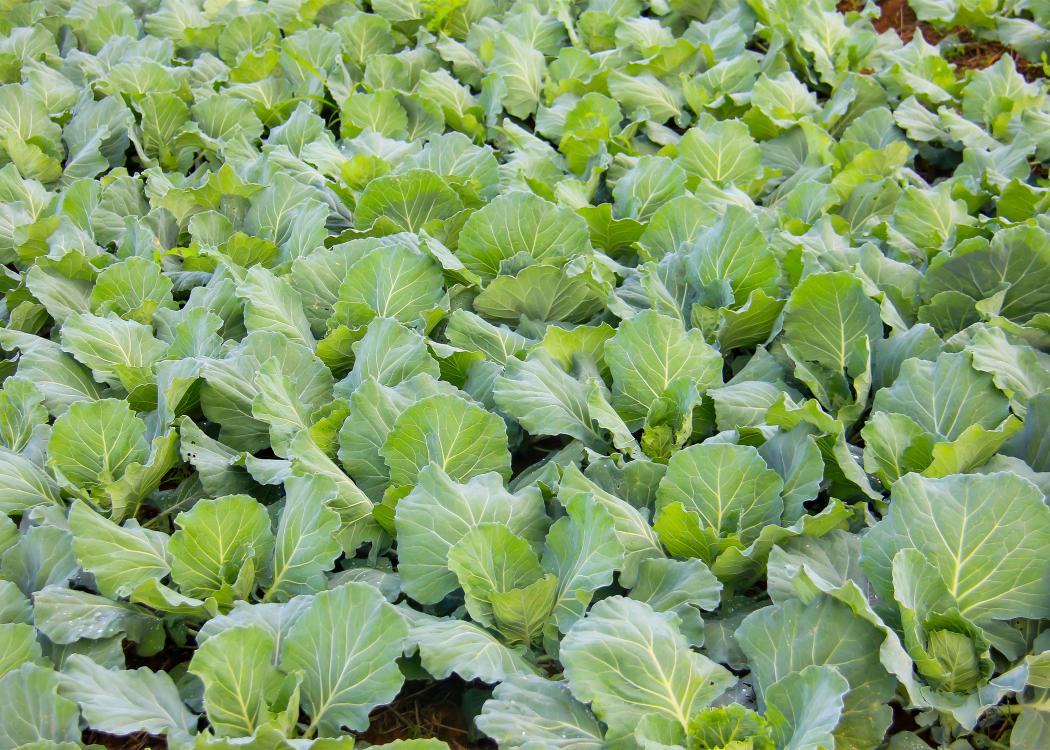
137	741
425	710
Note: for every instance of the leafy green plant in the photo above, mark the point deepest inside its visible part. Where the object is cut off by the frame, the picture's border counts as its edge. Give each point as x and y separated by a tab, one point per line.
676	373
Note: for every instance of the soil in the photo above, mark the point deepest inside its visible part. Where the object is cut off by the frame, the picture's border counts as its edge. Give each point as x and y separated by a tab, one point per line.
425	710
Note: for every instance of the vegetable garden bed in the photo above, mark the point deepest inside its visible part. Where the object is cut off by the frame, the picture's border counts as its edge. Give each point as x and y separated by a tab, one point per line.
612	374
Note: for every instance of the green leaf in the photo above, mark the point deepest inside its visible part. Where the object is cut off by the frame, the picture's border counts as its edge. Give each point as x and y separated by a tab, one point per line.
120	557
126	701
60	378
24	485
390	353
22	411
735	252
720	151
31	709
219	546
18	645
491	559
270	304
457	646
521	613
528	712
133	289
345	645
542	293
545	399
66	616
94	442
631	525
439	512
986	554
42	557
240	681
395	282
729	486
119	352
787	638
520	224
944	397
680	586
409	202
462	439
651	352
305	547
805	707
826	315
520	69
629	662
583	551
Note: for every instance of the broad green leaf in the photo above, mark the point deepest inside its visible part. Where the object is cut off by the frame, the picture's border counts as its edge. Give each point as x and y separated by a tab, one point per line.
583	551
521	613
43	556
67	616
409	202
239	679
59	377
32	711
985	553
735	252
448	646
529	713
346	645
631	525
491	559
24	484
120	557
520	69
460	438
795	456
520	224
373	410
390	282
94	442
680	586
119	352
545	399
125	701
826	316
390	353
729	486
787	638
22	411
305	547
1020	372
18	645
219	545
284	405
944	397
720	151
805	707
629	661
440	511
276	619
543	293
651	352
133	289
270	304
